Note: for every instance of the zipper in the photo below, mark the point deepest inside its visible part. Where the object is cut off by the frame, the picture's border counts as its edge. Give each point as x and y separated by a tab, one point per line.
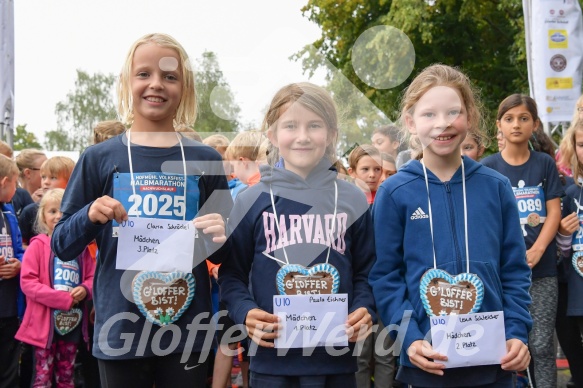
52	315
453	228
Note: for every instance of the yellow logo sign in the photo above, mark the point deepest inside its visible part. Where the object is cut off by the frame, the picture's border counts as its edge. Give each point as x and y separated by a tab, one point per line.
559	83
558	39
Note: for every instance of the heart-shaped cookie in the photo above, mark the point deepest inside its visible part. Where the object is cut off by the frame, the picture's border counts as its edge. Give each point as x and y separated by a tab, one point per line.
295	279
443	294
163	297
67	320
577	262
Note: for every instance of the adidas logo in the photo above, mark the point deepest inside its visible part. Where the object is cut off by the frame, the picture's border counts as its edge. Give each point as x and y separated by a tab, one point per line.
419	214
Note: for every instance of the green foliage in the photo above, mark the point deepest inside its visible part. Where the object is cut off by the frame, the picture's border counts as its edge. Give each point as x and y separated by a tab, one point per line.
89	103
217	109
24	139
357	115
484	38
58	140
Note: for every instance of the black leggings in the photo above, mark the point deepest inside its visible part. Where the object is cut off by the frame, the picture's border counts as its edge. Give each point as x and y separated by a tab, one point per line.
166	371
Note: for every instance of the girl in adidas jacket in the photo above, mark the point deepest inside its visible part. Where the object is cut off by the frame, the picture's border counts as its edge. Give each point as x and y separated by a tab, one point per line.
439	110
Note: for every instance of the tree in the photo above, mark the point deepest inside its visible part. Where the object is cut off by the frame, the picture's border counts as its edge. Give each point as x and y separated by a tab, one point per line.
217	109
485	38
357	115
90	103
58	140
24	139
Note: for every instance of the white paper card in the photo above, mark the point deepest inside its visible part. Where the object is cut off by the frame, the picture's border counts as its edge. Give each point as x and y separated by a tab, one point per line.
153	244
311	320
469	339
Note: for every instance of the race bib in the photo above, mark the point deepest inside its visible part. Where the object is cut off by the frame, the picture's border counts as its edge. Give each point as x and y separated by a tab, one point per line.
577	243
66	275
157	195
6	249
531	205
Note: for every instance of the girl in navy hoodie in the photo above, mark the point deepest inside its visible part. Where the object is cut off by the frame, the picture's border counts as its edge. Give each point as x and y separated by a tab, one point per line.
448	213
299	216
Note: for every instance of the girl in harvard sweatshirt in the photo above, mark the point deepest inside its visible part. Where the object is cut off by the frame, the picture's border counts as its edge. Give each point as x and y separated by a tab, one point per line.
299	216
449	214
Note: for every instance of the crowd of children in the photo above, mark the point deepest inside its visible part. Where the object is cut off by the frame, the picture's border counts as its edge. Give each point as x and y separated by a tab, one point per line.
275	216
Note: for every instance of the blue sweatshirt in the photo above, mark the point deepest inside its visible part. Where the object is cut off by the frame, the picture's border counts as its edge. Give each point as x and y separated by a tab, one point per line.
120	328
404	253
305	209
13	300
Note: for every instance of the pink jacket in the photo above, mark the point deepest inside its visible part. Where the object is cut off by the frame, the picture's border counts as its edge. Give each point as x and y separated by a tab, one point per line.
36	279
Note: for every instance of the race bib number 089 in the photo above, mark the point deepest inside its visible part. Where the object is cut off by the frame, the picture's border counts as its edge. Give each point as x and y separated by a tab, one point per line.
531	204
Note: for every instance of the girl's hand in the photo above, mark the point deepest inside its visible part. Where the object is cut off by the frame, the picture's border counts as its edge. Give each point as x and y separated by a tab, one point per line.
105	209
262	326
78	293
518	356
569	224
533	256
420	352
212	224
358	325
9	269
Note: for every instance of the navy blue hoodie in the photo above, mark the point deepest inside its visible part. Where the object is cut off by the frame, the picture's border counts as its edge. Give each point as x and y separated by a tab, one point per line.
404	253
308	204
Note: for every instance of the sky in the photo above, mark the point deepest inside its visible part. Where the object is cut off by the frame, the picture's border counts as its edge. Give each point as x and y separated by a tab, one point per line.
253	40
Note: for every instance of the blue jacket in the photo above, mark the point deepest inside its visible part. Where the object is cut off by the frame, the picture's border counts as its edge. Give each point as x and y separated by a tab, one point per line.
404	253
305	209
12	286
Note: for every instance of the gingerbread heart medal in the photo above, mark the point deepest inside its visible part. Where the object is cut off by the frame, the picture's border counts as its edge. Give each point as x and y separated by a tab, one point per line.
443	294
295	279
577	261
163	297
67	320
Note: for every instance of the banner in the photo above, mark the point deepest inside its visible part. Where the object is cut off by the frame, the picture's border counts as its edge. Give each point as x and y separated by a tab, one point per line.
6	64
554	42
